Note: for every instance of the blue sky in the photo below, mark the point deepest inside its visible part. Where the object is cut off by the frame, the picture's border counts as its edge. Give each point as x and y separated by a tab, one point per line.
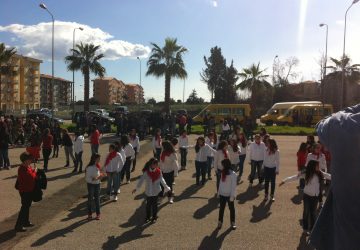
248	31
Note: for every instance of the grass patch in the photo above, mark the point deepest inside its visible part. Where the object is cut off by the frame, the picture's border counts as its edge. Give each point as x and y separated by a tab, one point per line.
287	130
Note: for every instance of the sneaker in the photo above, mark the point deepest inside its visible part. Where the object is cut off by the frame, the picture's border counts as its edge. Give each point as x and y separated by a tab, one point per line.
115	198
272	198
266	198
171	200
118	191
233	227
20	229
111	197
29	225
154	219
97	217
128	182
219	225
147	220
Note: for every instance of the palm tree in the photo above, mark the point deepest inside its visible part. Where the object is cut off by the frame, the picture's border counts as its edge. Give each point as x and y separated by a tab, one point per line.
343	64
5	67
86	59
253	80
168	62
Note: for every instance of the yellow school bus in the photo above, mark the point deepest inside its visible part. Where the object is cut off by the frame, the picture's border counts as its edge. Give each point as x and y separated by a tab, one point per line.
223	111
305	114
279	109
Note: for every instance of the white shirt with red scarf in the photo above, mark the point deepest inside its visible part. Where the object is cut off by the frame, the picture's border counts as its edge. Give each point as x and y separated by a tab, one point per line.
220	155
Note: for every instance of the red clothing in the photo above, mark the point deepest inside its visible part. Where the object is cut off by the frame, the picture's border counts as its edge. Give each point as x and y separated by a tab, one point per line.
95	137
47	141
26	178
301	159
182	120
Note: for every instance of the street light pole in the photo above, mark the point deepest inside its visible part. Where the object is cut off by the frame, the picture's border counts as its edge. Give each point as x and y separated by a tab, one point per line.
73	72
140	68
325	65
43	6
343	88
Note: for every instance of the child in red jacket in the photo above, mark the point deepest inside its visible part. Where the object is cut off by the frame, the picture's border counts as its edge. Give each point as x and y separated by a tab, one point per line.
301	162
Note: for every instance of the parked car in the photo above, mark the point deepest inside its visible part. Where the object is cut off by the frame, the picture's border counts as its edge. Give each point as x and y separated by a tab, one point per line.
102	112
40	115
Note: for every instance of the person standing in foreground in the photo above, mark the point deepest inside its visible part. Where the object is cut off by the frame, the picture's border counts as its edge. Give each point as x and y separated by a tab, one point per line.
47	141
129	156
221	154
242	142
271	168
338	225
227	192
169	167
113	163
257	152
93	177
153	178
156	144
94	139
313	176
135	143
183	145
26	185
203	151
78	149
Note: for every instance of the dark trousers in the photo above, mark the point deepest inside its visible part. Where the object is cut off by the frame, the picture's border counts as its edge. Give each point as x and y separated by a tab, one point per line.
134	160
223	201
256	167
20	138
201	168
157	153
210	161
56	150
169	179
94	148
309	214
78	161
126	170
241	164
183	154
270	176
4	157
93	193
23	217
151	206
46	154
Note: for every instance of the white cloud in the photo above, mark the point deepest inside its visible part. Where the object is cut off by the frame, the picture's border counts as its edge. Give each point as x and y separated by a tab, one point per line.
215	3
35	40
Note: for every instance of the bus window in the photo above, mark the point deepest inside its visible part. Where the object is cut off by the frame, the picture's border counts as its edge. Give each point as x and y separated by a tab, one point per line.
238	111
309	111
224	111
282	111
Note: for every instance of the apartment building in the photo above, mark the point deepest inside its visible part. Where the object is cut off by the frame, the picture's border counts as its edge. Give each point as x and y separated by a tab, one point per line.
109	90
61	92
20	89
134	94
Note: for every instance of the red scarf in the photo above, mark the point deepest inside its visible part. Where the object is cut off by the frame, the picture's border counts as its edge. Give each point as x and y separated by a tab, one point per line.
110	156
98	166
164	154
154	175
223	175
225	154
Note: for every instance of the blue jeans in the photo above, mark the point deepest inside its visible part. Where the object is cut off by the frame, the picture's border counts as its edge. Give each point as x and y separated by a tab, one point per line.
4	157
94	148
201	168
210	161
113	183
241	164
93	193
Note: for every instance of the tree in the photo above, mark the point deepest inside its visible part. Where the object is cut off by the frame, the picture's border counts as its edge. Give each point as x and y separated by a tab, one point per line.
93	101
229	88
194	99
151	101
284	72
168	62
5	66
178	101
254	80
86	59
214	73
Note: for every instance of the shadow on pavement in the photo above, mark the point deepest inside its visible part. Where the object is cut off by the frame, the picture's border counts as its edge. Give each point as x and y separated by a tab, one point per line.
251	193
10	177
214	241
206	209
81	209
188	193
133	234
8	235
261	212
62	176
59	233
